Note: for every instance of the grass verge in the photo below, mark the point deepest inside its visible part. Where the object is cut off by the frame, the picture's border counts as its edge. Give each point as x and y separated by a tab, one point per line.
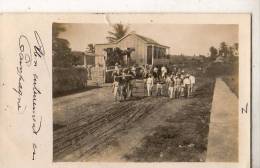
232	82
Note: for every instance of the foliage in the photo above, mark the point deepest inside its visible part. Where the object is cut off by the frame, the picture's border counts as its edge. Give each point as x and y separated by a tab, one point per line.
181	59
115	55
119	31
223	49
57	29
91	48
61	53
213	53
227	52
77	58
68	79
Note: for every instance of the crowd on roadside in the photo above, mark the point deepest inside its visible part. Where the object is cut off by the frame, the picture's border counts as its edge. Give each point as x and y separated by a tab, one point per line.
158	81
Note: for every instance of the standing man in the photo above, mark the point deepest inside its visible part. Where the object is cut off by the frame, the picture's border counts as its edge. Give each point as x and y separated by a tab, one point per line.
186	84
192	83
115	88
171	88
145	77
149	84
131	83
117	67
167	83
159	87
156	73
177	86
164	72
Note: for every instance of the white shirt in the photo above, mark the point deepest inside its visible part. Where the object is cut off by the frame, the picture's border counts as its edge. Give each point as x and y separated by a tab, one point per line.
186	81
163	69
149	81
192	79
116	68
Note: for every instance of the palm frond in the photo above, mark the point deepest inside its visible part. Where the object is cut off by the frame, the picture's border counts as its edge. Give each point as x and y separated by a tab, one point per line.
119	31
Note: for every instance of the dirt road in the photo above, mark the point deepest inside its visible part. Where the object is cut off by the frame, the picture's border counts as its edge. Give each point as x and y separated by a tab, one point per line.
91	127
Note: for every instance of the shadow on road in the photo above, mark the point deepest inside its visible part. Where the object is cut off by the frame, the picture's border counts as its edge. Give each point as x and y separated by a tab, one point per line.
75	91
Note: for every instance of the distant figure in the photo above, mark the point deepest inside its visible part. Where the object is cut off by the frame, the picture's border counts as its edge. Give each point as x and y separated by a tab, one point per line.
115	88
133	70
171	88
115	74
89	72
155	69
145	77
156	73
159	87
177	86
149	84
167	83
192	83
174	70
117	67
164	72
131	83
182	76
123	86
186	84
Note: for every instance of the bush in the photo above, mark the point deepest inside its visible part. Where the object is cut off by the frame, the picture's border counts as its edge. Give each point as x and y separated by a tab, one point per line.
222	69
68	79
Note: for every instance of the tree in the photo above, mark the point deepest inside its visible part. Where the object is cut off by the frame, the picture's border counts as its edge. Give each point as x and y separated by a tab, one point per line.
56	30
116	56
223	49
230	51
236	49
213	53
236	46
91	48
119	31
61	53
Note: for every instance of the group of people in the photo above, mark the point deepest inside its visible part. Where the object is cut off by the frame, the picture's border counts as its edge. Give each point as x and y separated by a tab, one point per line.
123	83
175	84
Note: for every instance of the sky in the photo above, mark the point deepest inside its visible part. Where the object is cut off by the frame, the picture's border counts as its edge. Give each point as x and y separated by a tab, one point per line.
187	39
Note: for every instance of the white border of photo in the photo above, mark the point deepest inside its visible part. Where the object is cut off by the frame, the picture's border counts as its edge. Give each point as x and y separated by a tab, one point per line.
197	6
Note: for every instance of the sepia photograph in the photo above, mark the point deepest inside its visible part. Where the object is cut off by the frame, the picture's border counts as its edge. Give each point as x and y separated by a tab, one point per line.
145	92
158	85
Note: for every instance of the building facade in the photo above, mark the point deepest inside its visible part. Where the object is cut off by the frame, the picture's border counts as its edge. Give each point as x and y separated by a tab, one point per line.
146	50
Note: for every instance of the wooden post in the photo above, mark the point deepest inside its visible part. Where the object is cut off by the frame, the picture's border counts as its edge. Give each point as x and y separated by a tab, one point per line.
104	71
152	53
85	60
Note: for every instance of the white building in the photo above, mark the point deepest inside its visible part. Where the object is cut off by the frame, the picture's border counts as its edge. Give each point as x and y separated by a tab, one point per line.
146	50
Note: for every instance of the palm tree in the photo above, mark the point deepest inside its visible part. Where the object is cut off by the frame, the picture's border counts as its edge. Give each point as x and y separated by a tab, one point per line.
119	31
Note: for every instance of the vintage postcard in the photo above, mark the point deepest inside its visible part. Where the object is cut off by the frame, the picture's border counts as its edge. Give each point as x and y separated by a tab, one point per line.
131	90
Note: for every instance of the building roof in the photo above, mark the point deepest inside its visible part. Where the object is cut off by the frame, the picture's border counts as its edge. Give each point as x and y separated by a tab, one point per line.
146	39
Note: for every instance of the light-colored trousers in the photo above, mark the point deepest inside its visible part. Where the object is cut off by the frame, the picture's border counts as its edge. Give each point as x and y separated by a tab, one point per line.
149	89
115	92
171	90
191	87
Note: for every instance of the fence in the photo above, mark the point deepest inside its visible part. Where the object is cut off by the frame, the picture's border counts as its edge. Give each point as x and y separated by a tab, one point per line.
98	75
